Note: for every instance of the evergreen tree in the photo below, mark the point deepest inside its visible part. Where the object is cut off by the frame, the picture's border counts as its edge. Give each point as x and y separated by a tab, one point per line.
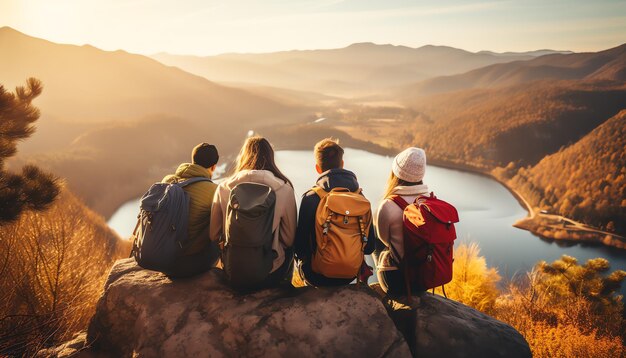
32	189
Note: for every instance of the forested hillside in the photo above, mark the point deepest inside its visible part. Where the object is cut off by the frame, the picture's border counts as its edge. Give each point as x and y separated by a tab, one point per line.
585	181
485	128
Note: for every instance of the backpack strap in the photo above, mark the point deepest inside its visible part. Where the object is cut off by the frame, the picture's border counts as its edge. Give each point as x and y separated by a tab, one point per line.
322	193
134	248
402	204
319	191
399	201
183	184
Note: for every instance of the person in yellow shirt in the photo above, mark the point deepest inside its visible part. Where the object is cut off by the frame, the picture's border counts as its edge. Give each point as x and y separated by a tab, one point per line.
199	254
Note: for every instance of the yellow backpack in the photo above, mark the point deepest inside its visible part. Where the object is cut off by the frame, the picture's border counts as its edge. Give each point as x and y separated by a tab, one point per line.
342	221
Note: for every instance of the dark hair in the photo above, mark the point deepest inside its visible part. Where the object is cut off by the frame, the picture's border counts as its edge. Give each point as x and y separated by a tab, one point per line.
257	154
394	181
204	154
328	154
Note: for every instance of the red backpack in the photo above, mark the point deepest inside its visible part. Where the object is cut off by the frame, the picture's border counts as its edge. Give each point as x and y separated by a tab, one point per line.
429	234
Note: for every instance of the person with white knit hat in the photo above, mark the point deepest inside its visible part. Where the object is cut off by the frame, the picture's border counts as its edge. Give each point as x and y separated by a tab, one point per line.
406	180
410	165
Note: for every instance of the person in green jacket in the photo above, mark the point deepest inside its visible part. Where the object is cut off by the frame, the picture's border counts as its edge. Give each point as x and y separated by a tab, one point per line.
200	254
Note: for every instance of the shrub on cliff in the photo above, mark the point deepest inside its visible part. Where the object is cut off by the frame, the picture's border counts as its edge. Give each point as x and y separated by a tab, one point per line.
473	283
567	309
53	266
562	309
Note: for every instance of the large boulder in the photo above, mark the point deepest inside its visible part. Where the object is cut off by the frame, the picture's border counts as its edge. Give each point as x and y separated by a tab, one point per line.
435	326
145	314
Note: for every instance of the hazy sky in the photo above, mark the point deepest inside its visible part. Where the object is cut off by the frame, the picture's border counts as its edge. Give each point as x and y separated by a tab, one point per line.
205	27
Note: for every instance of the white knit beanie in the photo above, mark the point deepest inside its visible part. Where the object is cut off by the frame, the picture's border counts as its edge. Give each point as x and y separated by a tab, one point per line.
410	165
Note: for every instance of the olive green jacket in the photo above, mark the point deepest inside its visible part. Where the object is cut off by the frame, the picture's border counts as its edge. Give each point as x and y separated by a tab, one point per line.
201	198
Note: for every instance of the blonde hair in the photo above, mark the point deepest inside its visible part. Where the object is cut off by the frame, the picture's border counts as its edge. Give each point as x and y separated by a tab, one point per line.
394	182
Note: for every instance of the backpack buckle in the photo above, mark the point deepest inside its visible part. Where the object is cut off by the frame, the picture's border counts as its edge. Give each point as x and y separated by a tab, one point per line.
325	226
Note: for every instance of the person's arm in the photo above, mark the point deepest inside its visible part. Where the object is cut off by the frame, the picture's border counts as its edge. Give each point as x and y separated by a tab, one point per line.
217	217
305	234
288	222
382	223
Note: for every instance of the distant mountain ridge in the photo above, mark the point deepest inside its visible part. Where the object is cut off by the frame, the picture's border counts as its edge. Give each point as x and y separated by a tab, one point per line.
603	65
535	53
356	69
86	84
133	116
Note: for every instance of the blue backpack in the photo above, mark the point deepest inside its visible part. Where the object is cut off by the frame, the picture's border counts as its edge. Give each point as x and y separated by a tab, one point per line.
161	232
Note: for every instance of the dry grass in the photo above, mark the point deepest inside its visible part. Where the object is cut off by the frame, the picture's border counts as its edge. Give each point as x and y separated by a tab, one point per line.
53	265
563	309
473	283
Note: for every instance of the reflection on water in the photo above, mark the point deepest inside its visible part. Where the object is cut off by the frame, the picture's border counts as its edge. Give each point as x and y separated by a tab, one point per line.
486	209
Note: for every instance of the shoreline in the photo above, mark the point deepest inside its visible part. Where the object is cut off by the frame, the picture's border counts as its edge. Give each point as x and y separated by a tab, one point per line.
549	227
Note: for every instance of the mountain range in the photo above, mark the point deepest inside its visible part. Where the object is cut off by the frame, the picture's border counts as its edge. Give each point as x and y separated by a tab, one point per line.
604	65
125	120
150	114
361	68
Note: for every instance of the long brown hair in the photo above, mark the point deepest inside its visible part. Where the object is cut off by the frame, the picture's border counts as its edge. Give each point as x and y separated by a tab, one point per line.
394	181
257	154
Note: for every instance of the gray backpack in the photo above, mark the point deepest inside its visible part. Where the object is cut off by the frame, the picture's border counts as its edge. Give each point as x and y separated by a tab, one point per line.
248	256
161	231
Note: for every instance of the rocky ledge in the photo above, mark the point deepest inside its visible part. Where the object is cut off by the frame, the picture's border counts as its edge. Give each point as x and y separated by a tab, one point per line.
143	313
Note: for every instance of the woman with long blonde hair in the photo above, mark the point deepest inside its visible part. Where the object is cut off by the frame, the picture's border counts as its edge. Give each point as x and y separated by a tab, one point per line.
255	164
405	180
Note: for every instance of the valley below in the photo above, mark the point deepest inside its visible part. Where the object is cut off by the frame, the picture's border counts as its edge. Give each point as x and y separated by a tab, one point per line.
529	146
487	211
517	118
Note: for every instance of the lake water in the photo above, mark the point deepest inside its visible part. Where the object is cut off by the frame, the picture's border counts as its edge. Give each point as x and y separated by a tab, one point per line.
487	210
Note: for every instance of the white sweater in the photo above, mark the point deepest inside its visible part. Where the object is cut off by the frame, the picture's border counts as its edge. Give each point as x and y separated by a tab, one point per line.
389	225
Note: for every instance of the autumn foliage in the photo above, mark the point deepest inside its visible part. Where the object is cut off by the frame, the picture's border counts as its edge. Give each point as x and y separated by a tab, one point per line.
585	181
473	283
563	309
486	128
53	267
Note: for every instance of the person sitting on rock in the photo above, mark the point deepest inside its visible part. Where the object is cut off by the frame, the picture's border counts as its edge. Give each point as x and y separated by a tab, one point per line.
254	220
338	263
199	254
408	170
